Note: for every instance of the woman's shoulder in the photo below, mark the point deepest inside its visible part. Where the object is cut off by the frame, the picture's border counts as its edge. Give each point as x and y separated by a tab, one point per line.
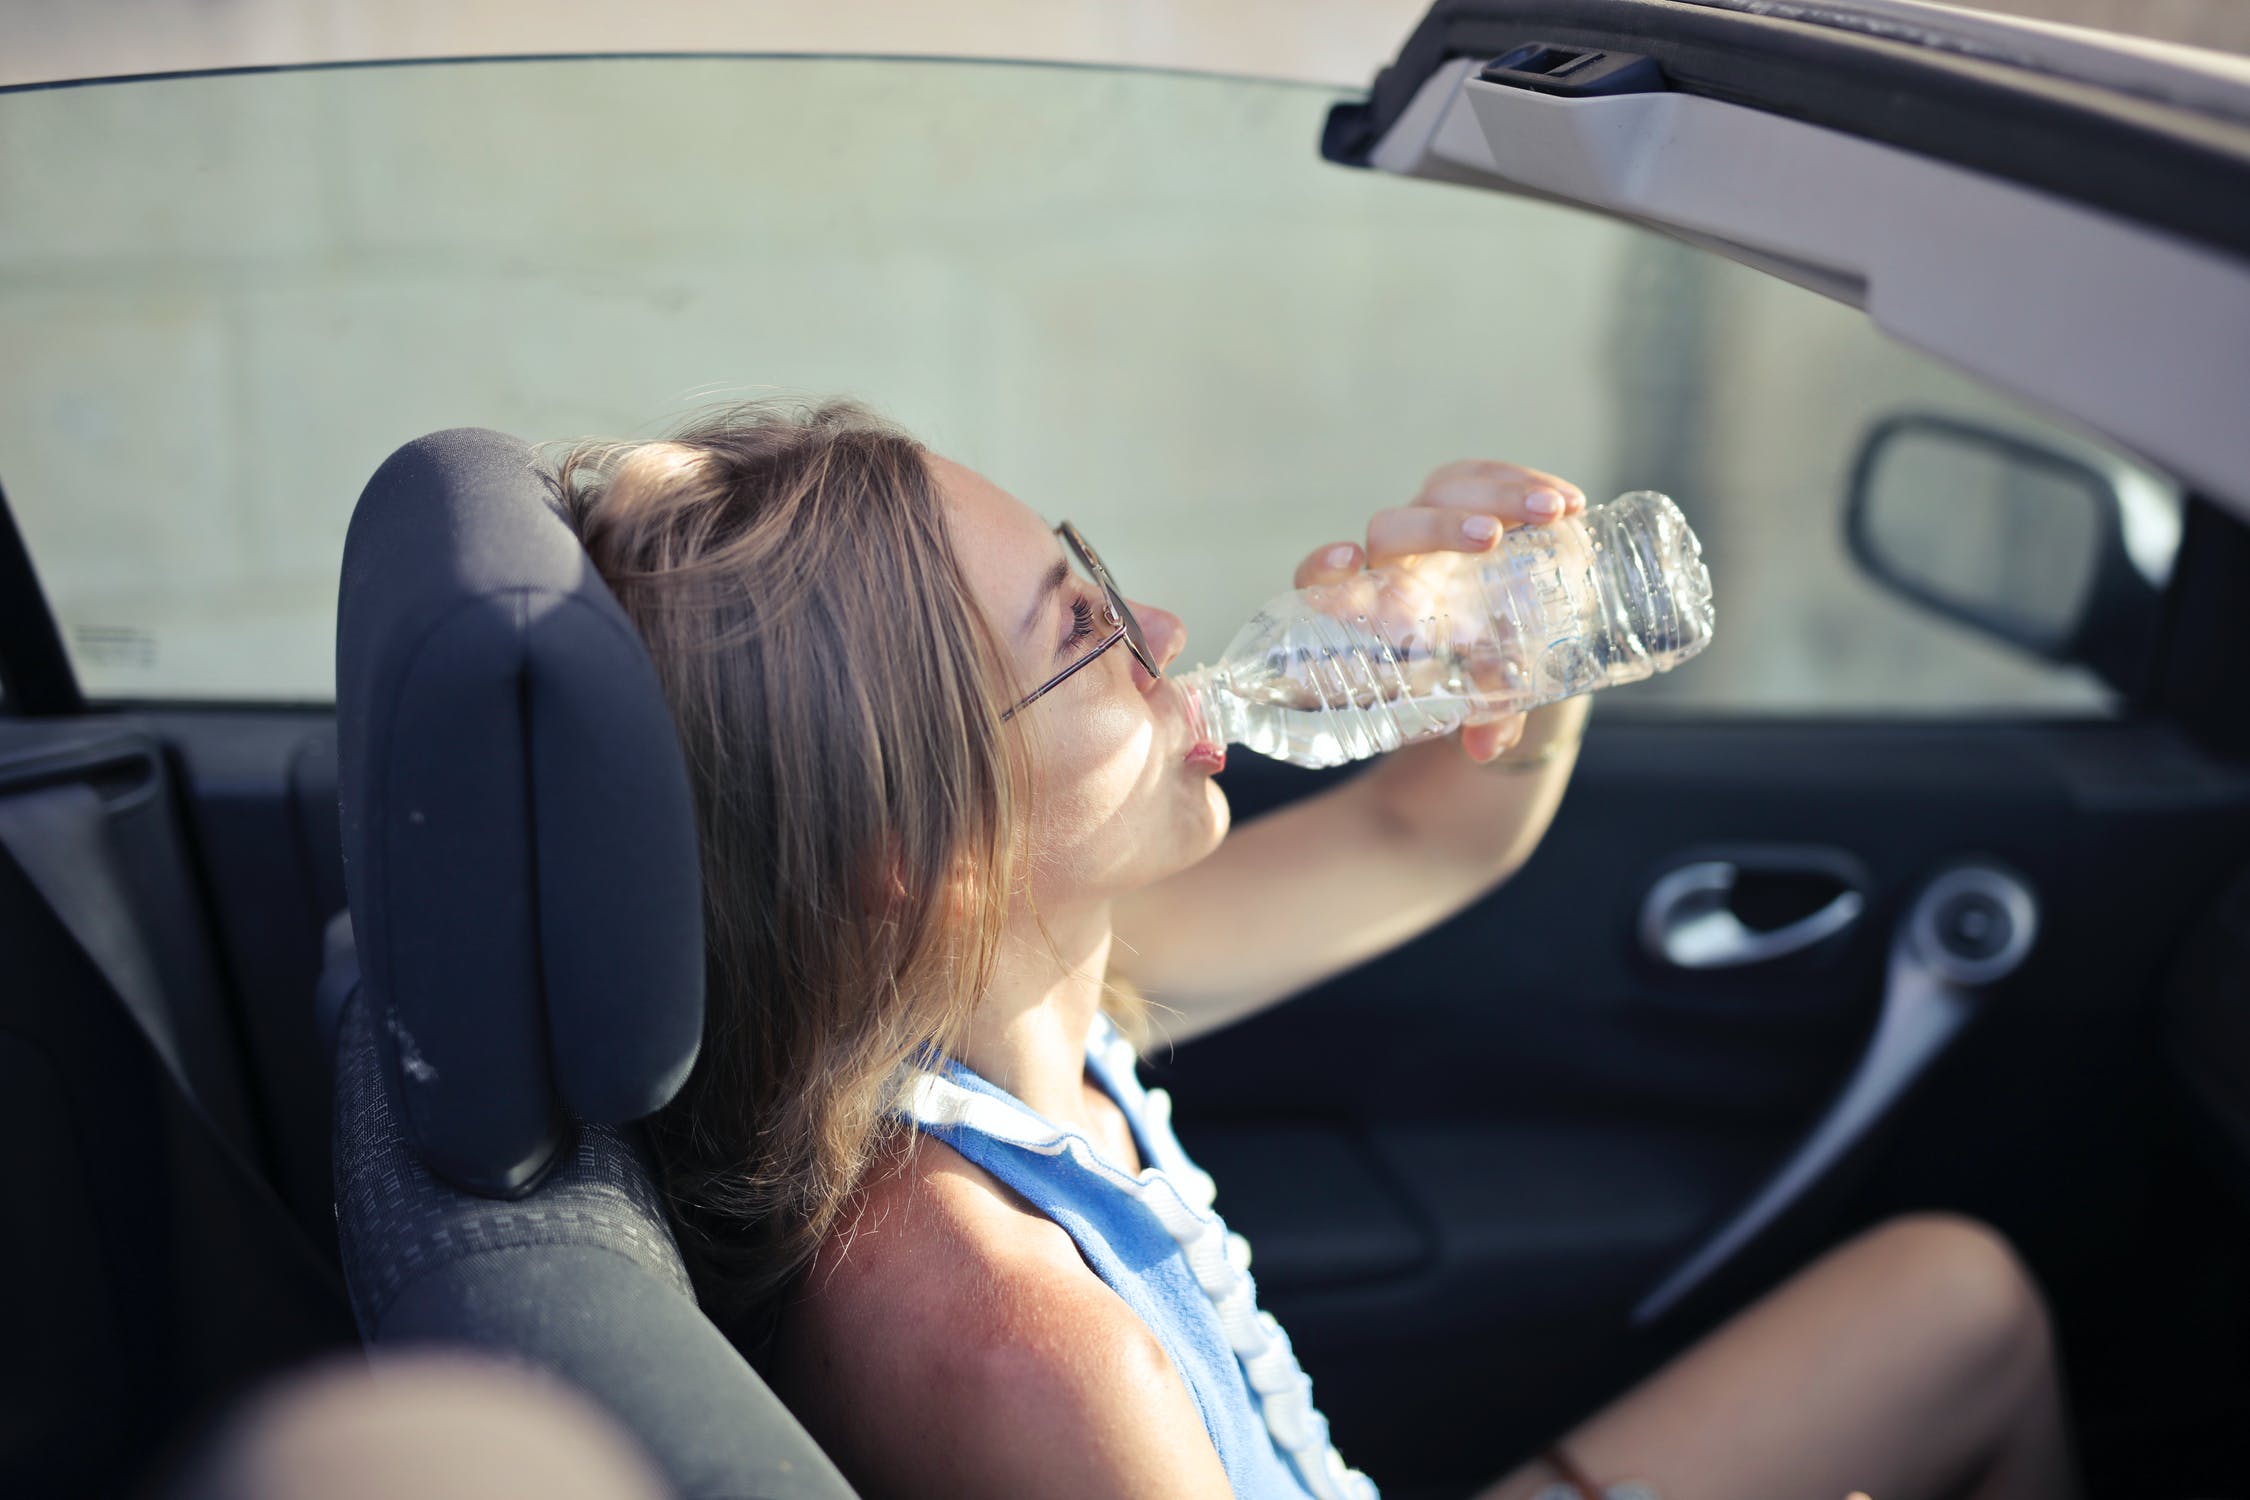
938	1263
928	1224
948	1305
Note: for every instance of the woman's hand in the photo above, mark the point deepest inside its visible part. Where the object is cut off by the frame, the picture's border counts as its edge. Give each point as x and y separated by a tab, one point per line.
1463	507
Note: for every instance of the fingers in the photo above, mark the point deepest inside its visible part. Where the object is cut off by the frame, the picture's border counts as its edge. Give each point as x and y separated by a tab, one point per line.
1407	529
1463	507
1400	532
1484	741
1501	489
1337	560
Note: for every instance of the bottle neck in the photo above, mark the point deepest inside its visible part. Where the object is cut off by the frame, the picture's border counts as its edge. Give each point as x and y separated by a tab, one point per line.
1214	712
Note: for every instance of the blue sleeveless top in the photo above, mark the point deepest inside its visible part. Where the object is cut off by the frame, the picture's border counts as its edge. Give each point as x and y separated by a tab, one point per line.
1154	1239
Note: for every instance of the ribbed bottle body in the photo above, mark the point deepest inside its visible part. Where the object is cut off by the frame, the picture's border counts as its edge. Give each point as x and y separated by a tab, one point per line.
1392	655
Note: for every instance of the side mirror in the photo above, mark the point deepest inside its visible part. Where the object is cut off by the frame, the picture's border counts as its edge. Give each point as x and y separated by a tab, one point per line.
2022	542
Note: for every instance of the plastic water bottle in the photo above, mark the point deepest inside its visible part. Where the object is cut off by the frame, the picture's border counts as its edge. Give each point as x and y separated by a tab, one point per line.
1338	672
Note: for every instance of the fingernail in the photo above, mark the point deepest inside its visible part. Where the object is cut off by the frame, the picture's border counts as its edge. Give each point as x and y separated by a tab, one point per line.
1543	503
1480	528
1338	557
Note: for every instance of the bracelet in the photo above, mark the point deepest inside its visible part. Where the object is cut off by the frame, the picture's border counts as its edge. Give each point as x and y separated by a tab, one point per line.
1546	754
1574	1485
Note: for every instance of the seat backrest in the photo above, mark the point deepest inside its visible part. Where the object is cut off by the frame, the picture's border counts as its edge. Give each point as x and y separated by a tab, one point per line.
518	836
520	860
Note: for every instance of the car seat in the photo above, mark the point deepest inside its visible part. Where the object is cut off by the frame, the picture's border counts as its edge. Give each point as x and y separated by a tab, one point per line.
522	976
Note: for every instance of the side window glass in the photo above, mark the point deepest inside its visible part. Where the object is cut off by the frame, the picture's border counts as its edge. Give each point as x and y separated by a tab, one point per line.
1622	360
1138	300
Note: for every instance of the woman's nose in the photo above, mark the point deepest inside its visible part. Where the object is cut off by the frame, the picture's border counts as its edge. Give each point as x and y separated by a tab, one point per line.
1165	635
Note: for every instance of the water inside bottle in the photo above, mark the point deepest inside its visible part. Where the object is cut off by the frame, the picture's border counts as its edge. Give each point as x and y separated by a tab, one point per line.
1287	728
1334	690
1340	672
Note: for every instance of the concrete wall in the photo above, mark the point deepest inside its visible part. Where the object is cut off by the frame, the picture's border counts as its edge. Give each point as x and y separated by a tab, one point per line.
1138	301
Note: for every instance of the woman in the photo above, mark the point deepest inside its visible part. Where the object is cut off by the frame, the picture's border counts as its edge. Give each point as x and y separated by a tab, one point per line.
953	819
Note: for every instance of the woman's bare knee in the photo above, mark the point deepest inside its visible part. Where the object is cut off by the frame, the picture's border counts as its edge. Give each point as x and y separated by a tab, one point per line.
1961	1279
1898	1363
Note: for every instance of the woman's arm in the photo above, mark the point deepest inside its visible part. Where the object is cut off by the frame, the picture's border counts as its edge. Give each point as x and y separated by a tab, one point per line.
1334	880
1317	887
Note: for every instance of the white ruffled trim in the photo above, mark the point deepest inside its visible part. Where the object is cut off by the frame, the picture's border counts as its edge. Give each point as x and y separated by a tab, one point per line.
1180	1195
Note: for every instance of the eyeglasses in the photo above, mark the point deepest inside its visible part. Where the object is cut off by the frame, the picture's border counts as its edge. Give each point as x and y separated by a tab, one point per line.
1119	617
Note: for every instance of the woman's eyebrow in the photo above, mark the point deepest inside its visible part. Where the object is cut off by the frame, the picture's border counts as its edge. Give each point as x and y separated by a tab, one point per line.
1047	585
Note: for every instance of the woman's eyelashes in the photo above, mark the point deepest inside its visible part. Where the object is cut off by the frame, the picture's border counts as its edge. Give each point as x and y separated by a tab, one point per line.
1081	627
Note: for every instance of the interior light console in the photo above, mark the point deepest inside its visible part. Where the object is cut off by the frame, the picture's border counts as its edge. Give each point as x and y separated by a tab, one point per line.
1574	72
1969	927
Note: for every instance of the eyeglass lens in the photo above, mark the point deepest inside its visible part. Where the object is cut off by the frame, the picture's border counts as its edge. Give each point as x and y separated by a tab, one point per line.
1092	562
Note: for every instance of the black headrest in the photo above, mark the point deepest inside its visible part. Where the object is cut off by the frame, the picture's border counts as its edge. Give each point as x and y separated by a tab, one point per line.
519	839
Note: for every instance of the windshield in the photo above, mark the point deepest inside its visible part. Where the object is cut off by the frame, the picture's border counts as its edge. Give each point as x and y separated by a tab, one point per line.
1137	300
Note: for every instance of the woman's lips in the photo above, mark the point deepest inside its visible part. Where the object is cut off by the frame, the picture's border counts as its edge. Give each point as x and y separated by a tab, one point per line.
1202	754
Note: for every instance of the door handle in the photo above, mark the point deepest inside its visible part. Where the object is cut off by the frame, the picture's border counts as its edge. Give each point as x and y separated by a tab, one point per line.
1688	919
1970	927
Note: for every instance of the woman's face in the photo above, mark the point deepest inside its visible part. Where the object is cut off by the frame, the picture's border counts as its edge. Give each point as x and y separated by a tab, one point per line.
1119	800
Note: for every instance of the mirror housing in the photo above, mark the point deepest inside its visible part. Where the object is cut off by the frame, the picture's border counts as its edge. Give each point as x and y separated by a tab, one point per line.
2020	541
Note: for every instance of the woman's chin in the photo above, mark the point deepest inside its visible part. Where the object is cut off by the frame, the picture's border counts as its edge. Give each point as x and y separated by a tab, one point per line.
1199	825
1221	814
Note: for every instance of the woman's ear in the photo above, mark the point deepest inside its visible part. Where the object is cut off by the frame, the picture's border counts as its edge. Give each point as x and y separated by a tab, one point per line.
962	890
889	892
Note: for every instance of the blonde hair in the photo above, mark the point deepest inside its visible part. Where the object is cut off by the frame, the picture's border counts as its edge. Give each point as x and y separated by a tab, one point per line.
837	695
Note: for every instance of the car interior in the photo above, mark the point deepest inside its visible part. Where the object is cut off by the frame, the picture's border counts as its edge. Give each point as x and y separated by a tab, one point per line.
325	1024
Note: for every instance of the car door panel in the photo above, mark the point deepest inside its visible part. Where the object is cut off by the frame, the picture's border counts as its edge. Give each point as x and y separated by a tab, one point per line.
152	1270
1557	1119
